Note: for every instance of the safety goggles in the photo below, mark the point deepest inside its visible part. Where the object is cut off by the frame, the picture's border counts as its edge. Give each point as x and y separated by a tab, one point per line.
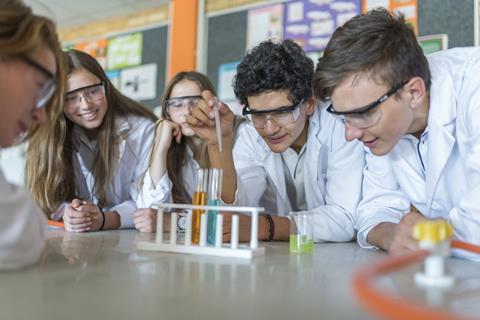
91	93
281	116
368	115
178	105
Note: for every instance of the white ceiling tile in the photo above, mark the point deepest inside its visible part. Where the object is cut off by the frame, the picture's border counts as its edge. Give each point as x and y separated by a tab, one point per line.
70	13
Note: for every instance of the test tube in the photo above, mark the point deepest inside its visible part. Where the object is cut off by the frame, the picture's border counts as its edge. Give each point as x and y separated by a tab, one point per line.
219	231
199	198
218	126
214	196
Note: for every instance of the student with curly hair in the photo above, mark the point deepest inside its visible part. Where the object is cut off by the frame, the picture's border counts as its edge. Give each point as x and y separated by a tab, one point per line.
31	84
419	118
294	156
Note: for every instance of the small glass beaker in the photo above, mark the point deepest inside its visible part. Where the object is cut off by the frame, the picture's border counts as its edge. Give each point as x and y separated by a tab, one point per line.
301	232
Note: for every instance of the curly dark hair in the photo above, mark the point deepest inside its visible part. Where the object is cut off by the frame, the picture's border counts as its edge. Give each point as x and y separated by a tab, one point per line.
274	66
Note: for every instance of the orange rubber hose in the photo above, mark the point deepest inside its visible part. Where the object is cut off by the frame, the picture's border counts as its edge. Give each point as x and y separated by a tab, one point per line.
392	307
465	246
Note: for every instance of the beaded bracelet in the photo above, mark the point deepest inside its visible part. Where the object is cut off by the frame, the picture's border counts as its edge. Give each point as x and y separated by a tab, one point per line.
271	227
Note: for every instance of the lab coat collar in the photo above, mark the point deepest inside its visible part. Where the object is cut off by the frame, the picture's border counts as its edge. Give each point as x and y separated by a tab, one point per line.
313	133
274	164
122	129
312	155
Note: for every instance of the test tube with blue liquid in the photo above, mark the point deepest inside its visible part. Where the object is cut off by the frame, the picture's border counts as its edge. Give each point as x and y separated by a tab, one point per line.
214	196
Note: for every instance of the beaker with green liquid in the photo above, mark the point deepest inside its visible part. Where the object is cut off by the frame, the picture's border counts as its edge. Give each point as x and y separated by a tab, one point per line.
301	232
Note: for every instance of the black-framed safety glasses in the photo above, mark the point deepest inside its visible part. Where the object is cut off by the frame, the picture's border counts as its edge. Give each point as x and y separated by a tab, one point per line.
366	116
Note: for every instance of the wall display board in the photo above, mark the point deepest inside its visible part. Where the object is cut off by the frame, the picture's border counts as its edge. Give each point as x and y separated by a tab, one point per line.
433	43
139	83
125	51
95	48
226	73
114	76
264	23
409	8
311	23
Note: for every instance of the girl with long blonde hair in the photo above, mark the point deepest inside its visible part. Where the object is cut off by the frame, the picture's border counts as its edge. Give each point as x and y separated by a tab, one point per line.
93	154
31	83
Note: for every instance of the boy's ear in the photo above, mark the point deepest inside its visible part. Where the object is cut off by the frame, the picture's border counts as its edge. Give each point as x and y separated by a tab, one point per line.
417	91
311	104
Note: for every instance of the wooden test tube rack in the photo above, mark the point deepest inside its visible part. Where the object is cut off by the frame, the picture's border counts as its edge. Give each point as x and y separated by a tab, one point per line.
232	249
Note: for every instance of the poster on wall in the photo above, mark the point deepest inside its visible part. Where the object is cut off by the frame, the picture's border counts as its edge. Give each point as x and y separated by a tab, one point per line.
226	73
433	43
114	77
139	83
409	8
124	51
311	23
264	23
95	48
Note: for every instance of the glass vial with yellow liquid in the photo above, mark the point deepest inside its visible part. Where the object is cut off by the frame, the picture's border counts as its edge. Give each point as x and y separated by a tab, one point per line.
199	198
214	196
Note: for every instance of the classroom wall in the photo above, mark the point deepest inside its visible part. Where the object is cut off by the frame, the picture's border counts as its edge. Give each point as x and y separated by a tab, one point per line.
226	42
155	51
227	32
453	17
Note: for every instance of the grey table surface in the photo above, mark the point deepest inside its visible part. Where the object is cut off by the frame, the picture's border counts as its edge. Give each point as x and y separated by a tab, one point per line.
103	276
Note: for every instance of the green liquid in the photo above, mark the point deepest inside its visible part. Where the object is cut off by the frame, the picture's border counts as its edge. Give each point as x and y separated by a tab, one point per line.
300	244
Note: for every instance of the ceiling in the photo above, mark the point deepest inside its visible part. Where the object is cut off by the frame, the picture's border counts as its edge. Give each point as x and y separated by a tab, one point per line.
72	13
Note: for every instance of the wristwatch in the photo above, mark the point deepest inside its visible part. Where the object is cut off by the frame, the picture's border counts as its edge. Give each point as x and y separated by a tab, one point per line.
181	222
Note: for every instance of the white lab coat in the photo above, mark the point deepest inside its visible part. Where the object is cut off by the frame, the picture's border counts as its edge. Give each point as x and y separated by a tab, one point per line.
332	176
22	226
136	138
451	188
162	191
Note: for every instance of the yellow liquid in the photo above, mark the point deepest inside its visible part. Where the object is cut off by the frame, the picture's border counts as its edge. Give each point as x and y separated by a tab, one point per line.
199	198
300	244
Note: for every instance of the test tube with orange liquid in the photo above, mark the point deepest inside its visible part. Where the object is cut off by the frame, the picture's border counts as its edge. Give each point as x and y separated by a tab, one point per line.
199	198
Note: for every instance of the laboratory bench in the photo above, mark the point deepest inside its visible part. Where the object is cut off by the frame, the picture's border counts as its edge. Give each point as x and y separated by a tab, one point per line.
102	275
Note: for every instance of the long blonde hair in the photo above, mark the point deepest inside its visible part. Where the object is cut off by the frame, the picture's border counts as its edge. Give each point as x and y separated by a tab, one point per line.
54	181
21	32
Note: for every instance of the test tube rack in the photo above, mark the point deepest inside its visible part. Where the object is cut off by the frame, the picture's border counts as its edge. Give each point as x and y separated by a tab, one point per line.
231	250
